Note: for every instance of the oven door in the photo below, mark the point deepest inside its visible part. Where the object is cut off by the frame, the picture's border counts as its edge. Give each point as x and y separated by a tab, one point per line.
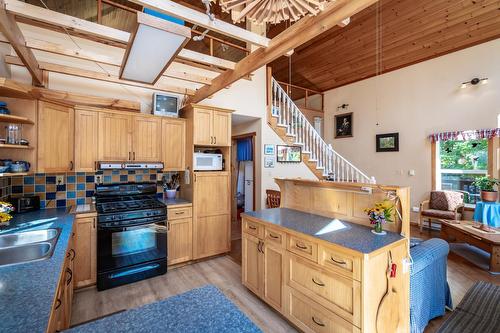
121	247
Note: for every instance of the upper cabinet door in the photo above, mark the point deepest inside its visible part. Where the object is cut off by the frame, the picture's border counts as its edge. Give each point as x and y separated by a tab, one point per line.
86	133
146	139
174	144
221	128
55	138
115	143
202	131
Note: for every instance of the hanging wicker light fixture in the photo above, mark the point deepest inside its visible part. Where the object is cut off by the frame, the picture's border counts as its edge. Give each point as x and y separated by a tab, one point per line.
272	11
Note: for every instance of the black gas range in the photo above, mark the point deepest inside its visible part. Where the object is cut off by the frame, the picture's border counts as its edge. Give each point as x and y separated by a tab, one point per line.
131	234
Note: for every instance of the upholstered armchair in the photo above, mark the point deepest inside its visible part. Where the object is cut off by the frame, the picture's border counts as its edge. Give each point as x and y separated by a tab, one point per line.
448	205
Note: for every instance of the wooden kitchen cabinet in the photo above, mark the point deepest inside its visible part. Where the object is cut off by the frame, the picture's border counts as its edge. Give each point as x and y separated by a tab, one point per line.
211	225
55	138
173	134
212	126
115	141
146	138
86	143
180	234
85	248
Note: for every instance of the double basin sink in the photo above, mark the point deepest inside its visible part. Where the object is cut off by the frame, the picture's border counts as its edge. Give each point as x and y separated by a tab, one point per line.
27	246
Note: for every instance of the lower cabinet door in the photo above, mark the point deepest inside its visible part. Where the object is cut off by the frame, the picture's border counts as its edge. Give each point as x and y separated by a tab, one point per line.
272	276
179	240
251	263
312	317
212	235
85	270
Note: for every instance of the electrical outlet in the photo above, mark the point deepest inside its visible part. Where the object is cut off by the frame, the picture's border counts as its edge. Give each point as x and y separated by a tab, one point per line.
59	179
415	209
411	172
98	179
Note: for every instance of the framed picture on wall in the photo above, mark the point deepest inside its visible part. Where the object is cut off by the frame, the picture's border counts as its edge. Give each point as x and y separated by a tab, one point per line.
289	154
269	162
343	125
387	142
269	150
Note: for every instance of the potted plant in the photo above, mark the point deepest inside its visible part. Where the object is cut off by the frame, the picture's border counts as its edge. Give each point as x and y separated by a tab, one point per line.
171	187
5	210
379	214
486	185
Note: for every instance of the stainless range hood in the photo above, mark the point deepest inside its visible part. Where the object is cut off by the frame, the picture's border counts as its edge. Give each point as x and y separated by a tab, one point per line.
129	165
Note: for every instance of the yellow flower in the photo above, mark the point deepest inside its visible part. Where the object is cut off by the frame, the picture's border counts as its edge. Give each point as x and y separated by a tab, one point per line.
4	217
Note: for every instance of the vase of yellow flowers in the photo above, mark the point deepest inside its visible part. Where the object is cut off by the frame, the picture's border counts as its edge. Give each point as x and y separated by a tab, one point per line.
5	210
380	214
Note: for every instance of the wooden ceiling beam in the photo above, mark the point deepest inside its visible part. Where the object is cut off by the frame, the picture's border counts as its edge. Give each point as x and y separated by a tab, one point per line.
10	29
85	28
304	30
56	68
201	19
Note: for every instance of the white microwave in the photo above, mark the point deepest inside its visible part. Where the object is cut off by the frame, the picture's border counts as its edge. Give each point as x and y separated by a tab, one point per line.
207	162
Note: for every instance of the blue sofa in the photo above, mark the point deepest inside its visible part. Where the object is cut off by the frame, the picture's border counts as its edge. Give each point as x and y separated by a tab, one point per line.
429	290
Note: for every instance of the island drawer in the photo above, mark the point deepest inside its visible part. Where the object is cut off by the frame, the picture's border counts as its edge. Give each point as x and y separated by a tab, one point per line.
179	213
253	228
274	236
309	316
337	293
340	262
303	247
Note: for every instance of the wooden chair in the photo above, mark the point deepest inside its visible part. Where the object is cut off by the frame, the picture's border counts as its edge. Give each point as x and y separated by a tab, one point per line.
273	199
448	205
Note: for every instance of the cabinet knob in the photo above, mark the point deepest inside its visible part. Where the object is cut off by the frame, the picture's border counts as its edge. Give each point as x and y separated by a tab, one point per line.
71	165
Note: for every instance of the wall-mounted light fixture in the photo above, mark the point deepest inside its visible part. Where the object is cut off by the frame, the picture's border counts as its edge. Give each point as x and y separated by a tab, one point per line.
152	46
474	81
342	107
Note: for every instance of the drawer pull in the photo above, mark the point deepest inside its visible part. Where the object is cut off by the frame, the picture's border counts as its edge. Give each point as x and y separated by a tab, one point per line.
300	246
252	227
321	284
338	262
273	236
179	213
319	323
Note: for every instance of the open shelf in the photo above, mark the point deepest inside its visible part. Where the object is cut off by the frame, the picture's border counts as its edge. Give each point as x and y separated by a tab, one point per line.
12	174
4	145
10	88
8	118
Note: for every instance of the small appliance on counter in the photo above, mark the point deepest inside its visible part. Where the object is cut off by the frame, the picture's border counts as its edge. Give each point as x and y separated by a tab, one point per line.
205	161
25	204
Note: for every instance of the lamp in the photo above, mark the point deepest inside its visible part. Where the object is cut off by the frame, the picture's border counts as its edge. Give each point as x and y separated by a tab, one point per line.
474	82
152	46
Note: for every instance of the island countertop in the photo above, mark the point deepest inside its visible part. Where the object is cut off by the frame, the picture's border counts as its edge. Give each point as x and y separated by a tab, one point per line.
347	234
27	290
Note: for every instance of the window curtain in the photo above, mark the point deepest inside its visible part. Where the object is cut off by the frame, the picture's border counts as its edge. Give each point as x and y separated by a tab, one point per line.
244	149
466	135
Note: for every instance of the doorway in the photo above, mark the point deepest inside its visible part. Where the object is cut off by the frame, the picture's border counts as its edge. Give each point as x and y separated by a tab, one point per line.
242	186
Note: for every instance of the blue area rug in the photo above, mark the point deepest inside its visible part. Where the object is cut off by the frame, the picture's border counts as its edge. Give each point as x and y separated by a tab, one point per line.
204	309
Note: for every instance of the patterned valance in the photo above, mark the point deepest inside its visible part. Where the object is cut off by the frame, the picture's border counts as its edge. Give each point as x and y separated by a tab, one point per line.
466	135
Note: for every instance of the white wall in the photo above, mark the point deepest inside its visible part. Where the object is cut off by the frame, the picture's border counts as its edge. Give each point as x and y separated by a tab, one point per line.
416	101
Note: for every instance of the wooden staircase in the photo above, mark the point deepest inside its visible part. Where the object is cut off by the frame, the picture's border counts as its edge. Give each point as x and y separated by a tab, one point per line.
291	125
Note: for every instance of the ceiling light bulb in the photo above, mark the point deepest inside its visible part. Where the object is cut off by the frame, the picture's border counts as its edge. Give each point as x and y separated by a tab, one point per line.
463	86
484	81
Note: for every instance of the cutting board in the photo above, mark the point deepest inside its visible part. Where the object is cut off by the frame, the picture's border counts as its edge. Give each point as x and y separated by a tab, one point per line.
388	309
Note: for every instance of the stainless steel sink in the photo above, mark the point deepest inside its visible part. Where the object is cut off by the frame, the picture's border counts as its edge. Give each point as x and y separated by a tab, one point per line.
28	237
25	253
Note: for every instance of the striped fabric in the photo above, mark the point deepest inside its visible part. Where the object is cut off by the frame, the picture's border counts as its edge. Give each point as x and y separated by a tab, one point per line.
479	311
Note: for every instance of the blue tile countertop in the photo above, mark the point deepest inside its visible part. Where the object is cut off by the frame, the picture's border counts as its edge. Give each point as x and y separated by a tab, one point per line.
346	234
204	309
28	290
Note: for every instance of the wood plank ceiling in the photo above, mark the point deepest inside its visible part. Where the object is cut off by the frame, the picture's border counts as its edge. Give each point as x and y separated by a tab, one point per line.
412	31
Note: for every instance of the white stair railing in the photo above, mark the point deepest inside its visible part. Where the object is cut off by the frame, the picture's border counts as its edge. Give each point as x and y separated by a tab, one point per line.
332	164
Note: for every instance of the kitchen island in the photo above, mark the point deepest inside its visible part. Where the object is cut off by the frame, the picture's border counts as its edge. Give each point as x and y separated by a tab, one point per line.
29	290
316	260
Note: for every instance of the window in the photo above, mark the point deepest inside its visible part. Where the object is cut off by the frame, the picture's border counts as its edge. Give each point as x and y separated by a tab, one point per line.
459	163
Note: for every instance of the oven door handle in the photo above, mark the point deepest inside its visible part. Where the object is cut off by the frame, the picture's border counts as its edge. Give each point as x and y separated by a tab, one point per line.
159	227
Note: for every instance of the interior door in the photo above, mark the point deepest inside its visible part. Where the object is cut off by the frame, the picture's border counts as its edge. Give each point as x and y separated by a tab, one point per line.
86	134
222	128
202	131
174	144
146	142
55	138
115	142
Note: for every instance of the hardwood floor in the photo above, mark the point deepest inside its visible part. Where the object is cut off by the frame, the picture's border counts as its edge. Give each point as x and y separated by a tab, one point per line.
225	273
222	272
461	276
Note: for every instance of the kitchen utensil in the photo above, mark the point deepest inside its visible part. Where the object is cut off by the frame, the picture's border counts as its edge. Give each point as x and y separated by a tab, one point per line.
387	318
3	108
20	166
